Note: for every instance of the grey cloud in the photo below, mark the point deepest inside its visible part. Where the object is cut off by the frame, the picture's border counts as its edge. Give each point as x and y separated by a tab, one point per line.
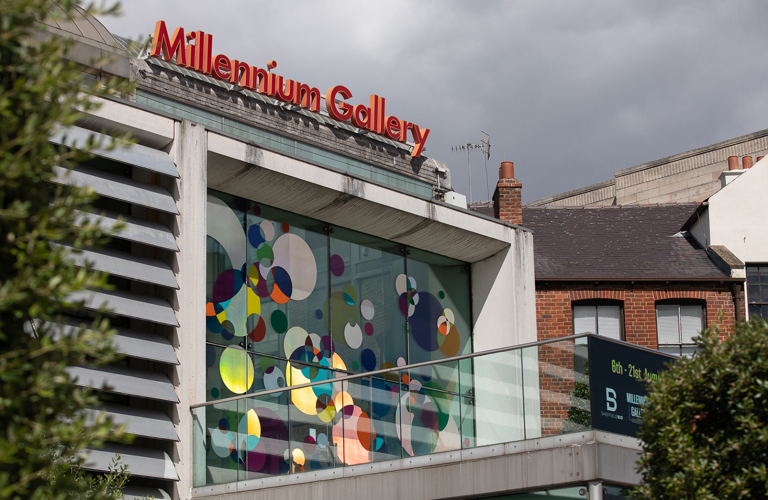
570	91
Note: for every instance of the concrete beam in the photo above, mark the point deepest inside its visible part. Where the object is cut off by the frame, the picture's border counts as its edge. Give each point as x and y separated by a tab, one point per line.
242	169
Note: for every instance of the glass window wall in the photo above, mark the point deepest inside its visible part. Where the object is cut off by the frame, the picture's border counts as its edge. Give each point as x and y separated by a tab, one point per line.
291	301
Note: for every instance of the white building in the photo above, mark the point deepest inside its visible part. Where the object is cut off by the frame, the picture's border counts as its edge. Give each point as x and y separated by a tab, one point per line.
731	223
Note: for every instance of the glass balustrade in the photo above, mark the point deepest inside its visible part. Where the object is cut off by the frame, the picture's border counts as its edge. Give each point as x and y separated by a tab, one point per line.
534	391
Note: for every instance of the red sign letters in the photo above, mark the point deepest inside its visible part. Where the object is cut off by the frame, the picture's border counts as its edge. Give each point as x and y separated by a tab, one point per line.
194	51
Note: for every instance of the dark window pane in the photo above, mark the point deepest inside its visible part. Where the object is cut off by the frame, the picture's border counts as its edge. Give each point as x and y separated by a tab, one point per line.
753	293
763	274
752	274
754	311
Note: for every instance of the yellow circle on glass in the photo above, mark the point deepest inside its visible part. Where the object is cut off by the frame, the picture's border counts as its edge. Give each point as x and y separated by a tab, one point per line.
236	369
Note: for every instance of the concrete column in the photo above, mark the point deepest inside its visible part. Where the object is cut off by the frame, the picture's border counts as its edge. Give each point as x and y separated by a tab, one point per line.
504	310
504	295
189	151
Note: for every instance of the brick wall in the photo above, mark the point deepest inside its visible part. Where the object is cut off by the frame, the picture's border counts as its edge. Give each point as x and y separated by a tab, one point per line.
554	319
507	204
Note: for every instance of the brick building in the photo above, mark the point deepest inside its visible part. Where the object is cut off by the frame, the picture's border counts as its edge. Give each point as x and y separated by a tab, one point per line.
627	272
624	271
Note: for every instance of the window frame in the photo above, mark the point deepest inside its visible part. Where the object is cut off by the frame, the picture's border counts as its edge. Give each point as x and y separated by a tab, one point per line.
679	302
595	303
749	303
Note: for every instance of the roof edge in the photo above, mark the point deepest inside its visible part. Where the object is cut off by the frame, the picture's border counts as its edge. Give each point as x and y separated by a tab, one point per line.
692	152
571	193
640	280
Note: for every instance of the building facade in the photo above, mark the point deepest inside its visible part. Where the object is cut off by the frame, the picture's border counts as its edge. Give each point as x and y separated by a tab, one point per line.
302	313
271	246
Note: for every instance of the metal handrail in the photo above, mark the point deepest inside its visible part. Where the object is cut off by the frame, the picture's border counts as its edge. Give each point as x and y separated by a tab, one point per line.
417	365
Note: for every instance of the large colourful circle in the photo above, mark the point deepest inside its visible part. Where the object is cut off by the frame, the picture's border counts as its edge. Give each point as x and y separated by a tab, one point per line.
236	369
424	321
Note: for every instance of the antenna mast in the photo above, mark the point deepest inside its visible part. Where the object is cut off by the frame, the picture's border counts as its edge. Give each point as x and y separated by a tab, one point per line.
485	147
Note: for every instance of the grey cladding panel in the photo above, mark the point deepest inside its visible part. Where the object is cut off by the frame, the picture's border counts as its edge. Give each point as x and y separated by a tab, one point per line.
118	188
149	385
140	231
149	346
129	304
138	421
141	462
135	155
127	266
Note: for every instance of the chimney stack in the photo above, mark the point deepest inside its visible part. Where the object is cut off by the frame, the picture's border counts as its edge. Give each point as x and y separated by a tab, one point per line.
507	201
746	162
733	163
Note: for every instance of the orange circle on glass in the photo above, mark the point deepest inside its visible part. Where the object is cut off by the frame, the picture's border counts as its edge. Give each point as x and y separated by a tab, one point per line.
365	433
286	227
278	296
452	343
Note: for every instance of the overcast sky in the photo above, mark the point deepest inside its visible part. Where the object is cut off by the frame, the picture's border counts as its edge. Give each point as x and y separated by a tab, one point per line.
571	91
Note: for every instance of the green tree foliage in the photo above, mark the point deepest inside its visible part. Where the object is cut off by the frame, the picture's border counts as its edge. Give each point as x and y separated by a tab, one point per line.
42	428
706	426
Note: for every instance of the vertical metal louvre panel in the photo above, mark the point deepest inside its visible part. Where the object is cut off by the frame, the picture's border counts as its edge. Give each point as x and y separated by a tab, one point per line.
118	188
142	462
126	265
134	154
140	231
144	384
138	421
131	305
143	393
140	345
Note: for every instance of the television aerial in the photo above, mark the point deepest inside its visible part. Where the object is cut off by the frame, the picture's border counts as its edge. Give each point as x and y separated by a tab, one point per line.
485	147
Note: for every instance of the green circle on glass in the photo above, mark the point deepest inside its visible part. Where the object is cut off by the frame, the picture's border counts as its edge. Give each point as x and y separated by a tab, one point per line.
279	321
215	392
